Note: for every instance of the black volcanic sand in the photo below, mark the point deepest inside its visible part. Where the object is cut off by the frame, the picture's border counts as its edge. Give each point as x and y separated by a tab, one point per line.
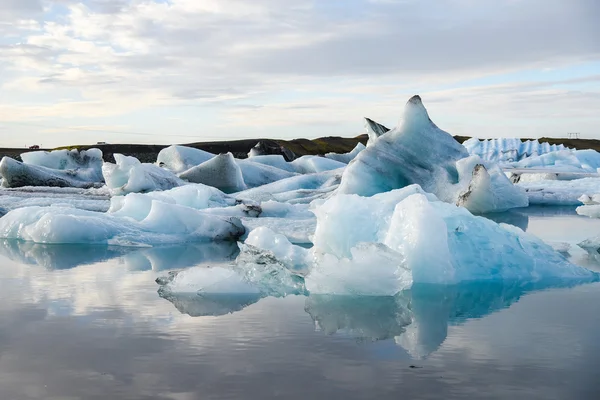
240	148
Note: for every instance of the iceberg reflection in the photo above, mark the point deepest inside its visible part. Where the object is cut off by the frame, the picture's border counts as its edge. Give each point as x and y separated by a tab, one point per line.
67	256
418	319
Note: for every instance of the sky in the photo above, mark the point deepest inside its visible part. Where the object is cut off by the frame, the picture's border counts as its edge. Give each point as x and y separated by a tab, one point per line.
181	71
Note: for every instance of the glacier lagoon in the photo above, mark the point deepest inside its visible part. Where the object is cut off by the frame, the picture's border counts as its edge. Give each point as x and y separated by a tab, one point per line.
83	321
412	265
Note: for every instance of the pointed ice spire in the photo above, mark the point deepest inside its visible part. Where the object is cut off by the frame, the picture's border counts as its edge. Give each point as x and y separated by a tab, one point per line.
415	112
374	129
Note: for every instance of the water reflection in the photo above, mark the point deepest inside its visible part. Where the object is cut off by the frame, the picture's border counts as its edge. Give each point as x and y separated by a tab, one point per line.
67	256
416	319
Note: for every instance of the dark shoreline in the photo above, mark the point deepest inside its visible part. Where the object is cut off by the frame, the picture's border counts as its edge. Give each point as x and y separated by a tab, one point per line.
240	148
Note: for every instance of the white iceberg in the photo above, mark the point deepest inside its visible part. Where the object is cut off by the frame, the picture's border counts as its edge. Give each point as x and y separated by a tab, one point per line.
17	174
129	175
559	192
296	189
159	223
67	160
181	158
419	152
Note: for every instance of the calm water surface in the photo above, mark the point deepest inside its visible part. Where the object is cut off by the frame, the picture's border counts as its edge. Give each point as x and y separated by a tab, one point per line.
87	323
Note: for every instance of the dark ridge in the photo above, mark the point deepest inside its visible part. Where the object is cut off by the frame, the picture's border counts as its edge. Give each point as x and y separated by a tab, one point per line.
240	148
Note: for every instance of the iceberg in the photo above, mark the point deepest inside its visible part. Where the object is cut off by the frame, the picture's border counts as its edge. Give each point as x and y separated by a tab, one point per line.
17	174
296	189
346	157
563	161
221	172
273	160
559	192
163	223
374	130
508	150
129	175
65	159
271	147
258	174
178	159
315	164
418	152
410	223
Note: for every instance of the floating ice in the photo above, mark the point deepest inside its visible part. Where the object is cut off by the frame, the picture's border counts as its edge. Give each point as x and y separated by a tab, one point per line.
221	172
258	174
315	164
563	161
297	189
181	158
558	192
412	223
274	160
346	157
509	149
419	152
67	160
292	257
129	175
18	174
162	223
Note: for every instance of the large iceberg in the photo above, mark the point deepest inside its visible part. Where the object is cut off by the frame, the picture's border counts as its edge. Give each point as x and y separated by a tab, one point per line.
392	250
129	175
418	152
17	174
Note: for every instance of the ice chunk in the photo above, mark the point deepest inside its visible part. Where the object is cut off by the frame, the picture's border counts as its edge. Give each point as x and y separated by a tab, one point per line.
304	188
18	174
270	147
563	161
257	174
90	160
221	172
412	224
558	192
137	206
346	157
292	257
129	175
314	164
372	269
181	158
274	160
489	190
163	223
374	130
419	152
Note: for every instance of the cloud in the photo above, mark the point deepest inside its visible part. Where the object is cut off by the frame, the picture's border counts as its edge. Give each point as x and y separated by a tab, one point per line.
182	51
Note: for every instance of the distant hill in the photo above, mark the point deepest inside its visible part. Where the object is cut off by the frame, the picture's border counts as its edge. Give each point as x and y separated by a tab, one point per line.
240	148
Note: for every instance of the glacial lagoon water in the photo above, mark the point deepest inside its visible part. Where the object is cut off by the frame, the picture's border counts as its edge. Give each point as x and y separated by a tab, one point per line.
86	322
